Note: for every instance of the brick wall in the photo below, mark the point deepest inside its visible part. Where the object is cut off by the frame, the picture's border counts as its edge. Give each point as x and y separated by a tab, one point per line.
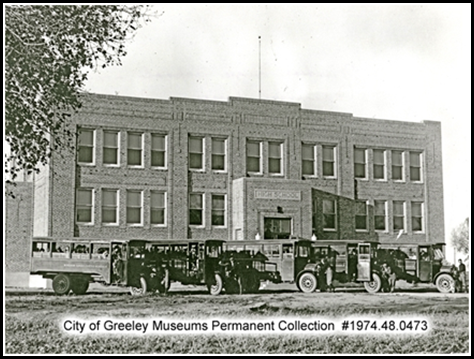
240	120
18	228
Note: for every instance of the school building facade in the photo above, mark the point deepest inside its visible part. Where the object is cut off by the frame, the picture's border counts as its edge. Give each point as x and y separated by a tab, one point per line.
239	169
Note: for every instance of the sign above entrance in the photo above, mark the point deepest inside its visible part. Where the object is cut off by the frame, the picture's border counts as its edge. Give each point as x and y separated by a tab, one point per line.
286	195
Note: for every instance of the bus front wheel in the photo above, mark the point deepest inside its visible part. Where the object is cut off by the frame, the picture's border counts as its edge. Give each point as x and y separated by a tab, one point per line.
62	284
307	282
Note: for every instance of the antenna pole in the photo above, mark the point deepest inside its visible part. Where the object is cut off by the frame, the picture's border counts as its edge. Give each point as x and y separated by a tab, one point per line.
259	68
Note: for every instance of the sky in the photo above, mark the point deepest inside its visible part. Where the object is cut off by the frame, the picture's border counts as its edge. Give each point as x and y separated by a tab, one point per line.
397	62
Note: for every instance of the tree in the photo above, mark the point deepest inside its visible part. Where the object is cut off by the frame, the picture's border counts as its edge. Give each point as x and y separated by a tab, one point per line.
460	237
48	53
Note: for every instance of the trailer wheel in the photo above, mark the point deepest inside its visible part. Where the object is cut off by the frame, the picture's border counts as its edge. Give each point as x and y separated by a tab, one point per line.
445	283
79	286
216	288
374	285
136	291
307	282
62	284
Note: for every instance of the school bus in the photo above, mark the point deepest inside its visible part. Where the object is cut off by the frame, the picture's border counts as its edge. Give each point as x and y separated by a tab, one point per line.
351	261
419	263
74	264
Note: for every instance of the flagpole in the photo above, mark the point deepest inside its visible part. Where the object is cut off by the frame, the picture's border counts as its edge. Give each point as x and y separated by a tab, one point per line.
259	68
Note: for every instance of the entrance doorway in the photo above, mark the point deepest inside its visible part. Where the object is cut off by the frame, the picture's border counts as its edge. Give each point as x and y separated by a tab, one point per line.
277	228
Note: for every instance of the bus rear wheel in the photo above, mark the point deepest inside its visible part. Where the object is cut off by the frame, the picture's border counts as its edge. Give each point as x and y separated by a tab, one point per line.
80	285
62	284
374	285
216	287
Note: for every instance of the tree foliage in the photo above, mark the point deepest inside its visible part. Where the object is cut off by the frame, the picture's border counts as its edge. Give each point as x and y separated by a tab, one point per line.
460	237
48	53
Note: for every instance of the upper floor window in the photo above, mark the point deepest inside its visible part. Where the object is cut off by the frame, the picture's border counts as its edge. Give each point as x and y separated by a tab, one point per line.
86	144
275	158
134	207
380	215
361	216
360	163
196	153
157	208
111	148
109	206
417	217
397	165
218	210
329	214
196	209
379	164
135	149
329	162
158	150
398	215
415	166
254	150
308	156
84	206
218	154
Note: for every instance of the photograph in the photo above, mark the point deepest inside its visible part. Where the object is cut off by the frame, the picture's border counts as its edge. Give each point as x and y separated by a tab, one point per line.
237	179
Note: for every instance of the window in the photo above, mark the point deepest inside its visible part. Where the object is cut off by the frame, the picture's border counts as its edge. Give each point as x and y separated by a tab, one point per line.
157	208
277	228
86	146
329	214
359	163
218	210
158	150
196	207
397	165
84	206
379	164
308	160
398	215
135	147
361	216
196	153
415	166
110	151
275	158
109	206
417	217
218	154
328	161
380	215
253	156
134	207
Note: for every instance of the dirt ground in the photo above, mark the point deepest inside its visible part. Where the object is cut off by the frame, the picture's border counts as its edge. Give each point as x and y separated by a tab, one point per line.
32	317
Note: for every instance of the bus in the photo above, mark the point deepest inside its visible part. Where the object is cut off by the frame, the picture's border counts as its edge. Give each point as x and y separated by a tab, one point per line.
74	264
419	263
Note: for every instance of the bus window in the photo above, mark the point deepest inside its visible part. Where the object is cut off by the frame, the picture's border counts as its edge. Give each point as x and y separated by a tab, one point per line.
424	255
253	249
364	249
271	250
303	251
213	251
287	251
100	250
438	253
60	249
40	249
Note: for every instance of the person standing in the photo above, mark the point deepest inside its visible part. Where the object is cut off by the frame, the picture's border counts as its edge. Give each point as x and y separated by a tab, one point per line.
329	277
462	276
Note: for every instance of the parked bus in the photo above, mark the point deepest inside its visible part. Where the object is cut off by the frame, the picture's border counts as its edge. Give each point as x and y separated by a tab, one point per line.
73	264
419	263
351	261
